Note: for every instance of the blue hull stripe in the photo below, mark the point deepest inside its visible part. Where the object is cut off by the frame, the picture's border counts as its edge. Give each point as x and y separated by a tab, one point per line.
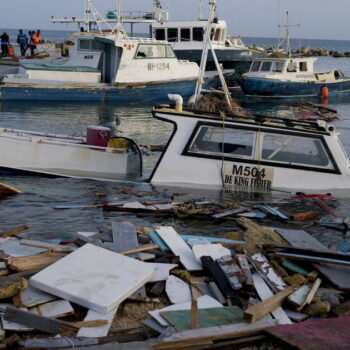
286	89
150	92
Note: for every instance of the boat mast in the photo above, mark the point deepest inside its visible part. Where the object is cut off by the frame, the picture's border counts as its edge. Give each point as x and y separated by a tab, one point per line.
96	17
200	10
287	26
207	45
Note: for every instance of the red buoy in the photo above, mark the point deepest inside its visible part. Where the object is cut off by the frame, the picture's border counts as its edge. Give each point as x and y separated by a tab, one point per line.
324	91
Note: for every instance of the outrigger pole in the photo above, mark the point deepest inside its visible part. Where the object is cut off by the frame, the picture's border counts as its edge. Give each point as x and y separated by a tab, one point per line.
204	58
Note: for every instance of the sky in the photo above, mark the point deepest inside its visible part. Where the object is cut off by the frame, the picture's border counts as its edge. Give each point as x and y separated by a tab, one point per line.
318	19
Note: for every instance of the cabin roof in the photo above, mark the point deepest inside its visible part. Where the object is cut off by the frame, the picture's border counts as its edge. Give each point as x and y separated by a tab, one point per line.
296	59
188	24
318	127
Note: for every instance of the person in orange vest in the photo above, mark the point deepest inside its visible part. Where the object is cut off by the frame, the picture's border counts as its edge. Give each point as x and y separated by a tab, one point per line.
37	37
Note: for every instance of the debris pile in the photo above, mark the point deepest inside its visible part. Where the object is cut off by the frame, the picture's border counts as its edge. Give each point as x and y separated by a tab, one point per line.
153	288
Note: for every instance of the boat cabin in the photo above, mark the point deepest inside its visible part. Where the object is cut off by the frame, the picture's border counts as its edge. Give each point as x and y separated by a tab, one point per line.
297	69
190	31
255	153
114	59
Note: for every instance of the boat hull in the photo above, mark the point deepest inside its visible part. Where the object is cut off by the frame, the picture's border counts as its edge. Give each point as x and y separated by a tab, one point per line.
69	92
236	59
35	155
287	89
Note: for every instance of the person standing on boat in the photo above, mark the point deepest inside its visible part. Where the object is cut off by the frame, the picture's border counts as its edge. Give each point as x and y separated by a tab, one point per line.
22	41
5	41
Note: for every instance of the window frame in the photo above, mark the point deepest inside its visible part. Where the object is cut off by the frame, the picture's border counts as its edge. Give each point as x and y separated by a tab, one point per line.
151	58
202	33
255	159
175	39
185	39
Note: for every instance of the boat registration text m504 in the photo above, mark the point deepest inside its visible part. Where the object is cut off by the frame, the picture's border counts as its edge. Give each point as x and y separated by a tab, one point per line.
247	176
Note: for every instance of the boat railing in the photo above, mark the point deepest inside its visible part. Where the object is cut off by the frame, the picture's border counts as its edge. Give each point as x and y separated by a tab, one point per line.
138	15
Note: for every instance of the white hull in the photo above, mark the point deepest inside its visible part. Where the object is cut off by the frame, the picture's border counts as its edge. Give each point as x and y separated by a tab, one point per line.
64	156
178	167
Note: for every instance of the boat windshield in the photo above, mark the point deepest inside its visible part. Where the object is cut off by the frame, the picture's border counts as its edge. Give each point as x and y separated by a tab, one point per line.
295	150
214	140
154	51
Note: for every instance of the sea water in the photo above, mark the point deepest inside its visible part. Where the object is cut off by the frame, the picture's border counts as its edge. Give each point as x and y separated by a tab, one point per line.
35	207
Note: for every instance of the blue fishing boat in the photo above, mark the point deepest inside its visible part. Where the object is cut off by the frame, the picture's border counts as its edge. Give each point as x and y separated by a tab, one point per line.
292	77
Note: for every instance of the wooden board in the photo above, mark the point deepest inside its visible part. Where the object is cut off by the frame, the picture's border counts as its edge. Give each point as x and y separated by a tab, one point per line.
337	274
179	248
332	333
181	319
124	236
264	292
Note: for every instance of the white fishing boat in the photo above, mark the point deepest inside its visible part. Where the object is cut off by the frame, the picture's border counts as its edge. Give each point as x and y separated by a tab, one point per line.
107	66
251	153
95	157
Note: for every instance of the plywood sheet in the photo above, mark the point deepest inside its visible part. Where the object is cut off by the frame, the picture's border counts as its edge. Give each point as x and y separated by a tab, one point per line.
93	277
179	248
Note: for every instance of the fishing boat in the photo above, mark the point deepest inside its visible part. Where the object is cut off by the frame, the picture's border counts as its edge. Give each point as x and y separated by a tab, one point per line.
287	76
253	153
187	40
107	66
95	157
292	77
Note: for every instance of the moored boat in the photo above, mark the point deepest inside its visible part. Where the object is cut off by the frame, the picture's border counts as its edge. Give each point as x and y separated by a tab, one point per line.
291	77
252	152
96	157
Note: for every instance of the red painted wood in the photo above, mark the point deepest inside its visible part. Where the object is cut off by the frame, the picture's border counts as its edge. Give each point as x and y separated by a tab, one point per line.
328	334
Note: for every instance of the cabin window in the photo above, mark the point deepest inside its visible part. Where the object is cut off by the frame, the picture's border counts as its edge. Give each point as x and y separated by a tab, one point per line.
97	46
291	149
198	34
215	141
169	51
160	34
277	66
303	66
291	67
84	44
151	51
185	34
266	66
172	34
255	66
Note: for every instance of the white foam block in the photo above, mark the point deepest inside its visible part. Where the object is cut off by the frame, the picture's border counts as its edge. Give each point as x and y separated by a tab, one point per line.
99	331
96	278
179	248
216	251
203	302
177	290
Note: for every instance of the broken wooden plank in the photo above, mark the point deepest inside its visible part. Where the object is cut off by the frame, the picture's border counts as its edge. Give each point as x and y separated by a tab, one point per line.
264	266
140	249
327	208
14	231
243	263
298	297
236	330
38	322
264	293
124	236
99	331
12	247
48	246
37	261
215	250
229	212
181	319
179	248
231	270
311	294
219	277
259	310
32	296
337	274
54	309
6	189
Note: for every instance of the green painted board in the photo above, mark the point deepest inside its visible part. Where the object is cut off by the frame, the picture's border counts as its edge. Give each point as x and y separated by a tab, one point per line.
212	317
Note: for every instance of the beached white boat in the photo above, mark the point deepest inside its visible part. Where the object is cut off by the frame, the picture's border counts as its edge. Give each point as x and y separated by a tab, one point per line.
36	153
254	153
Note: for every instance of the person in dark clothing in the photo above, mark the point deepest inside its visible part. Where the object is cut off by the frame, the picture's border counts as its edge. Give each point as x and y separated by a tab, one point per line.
5	42
32	44
22	41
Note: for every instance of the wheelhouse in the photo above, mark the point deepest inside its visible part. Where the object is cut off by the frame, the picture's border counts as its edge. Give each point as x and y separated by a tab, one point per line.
281	66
